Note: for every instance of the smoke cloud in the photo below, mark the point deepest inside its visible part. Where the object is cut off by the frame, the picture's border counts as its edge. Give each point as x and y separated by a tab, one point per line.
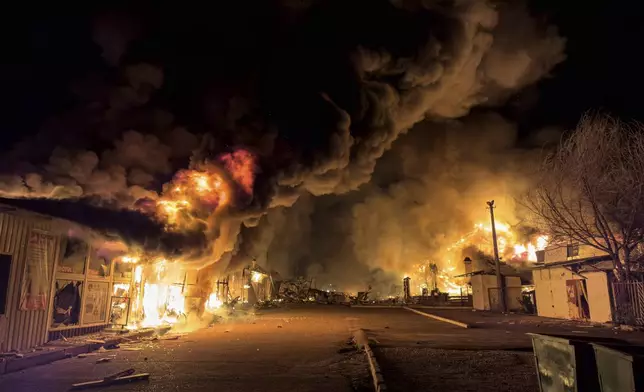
319	92
426	192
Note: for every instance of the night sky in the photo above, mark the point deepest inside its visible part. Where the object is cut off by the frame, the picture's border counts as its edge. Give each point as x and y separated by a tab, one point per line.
45	52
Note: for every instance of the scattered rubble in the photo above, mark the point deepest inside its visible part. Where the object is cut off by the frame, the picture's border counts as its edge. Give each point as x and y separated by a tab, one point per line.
627	328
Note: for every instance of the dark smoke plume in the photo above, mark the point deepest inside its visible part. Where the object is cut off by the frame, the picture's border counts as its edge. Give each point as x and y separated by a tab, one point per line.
318	90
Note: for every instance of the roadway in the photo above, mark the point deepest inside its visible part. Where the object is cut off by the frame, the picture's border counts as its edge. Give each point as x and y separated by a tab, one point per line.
304	348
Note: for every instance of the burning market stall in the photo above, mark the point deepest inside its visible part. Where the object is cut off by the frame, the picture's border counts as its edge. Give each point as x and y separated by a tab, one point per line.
151	292
52	281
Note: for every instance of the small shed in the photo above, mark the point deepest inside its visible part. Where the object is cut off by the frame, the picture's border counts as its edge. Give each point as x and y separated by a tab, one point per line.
573	282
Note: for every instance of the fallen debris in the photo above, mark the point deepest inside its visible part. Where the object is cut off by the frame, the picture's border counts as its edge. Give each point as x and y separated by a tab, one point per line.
103	360
95	341
117	378
131	348
9	354
86	355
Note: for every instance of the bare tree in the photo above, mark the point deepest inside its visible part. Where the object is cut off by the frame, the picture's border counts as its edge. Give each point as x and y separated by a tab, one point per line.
591	189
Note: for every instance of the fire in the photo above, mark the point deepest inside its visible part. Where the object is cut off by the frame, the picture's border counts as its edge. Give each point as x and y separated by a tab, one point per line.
192	192
195	194
256	276
509	247
159	294
130	259
213	303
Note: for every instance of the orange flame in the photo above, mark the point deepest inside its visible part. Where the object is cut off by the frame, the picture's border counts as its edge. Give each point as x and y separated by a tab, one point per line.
190	192
194	194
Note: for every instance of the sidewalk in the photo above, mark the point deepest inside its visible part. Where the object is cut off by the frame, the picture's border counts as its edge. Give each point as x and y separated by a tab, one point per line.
525	323
61	349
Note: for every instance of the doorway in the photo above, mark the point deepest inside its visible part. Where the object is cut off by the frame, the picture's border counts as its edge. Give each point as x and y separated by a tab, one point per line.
577	296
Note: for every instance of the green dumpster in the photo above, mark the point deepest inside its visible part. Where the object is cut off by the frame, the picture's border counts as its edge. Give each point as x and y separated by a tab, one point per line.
620	367
566	363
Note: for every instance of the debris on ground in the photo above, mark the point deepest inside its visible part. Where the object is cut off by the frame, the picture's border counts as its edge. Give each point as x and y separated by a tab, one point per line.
10	355
99	341
86	355
103	360
125	376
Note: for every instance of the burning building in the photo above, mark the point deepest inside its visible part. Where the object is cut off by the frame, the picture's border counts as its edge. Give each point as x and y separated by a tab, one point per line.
448	274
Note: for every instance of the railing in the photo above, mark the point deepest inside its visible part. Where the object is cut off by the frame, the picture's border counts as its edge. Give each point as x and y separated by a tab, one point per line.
629	302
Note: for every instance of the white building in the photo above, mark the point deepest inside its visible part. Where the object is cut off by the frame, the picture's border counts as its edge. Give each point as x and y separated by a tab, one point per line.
573	282
485	290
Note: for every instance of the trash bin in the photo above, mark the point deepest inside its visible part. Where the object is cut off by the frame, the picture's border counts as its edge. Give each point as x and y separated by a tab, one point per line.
566	363
620	367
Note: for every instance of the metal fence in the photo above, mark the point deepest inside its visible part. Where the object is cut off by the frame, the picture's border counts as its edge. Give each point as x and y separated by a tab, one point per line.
629	302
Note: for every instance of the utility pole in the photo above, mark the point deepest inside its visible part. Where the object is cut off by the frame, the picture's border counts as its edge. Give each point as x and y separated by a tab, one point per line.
497	262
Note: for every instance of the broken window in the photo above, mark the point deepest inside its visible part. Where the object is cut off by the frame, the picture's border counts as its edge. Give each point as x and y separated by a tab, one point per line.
123	270
67	303
100	264
74	256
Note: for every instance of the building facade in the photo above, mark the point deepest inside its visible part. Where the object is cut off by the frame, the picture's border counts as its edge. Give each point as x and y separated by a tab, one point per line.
54	283
574	282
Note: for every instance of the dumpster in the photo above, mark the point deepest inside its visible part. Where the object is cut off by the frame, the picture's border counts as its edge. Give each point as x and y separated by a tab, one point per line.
620	367
566	363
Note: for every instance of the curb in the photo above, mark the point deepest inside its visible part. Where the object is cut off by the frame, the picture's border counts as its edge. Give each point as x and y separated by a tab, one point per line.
18	364
439	318
361	340
464	308
376	306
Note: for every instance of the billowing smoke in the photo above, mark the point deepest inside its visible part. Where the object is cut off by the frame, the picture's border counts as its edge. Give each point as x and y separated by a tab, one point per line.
426	192
317	92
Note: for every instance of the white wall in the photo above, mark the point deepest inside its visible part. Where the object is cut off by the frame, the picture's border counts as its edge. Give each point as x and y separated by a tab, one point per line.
550	289
481	285
598	296
555	253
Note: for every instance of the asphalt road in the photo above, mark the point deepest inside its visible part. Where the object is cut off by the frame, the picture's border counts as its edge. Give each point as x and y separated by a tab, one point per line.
304	348
279	351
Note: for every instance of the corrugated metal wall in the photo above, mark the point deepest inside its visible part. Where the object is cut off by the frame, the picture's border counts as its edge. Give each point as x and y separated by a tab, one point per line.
23	329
